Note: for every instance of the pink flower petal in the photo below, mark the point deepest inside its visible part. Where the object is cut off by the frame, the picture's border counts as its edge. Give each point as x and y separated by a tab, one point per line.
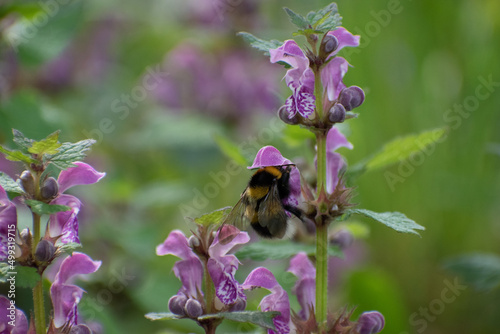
81	174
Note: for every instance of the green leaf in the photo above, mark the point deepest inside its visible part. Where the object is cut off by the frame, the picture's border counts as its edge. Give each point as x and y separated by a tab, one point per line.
482	271
9	185
71	152
21	141
214	217
231	150
395	220
401	149
161	316
49	145
4	270
317	18
69	247
329	23
262	319
41	208
297	19
26	277
276	250
260	44
17	156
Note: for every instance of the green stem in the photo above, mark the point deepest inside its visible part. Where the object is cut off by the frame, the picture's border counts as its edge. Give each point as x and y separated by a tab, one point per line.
40	327
209	291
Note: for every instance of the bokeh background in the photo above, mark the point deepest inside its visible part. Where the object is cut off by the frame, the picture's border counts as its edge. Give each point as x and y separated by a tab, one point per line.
160	83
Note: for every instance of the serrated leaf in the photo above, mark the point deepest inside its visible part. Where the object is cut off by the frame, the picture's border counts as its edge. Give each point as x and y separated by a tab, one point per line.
482	271
17	156
260	44
262	319
297	19
315	18
69	247
231	150
41	208
329	23
49	145
26	277
71	152
21	141
401	149
274	250
4	270
9	185
395	220
161	316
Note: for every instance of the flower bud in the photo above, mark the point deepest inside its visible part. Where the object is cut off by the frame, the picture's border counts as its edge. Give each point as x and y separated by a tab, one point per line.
285	117
342	238
239	305
370	323
193	241
351	97
80	329
176	305
50	188
193	308
45	251
27	182
25	236
328	45
336	113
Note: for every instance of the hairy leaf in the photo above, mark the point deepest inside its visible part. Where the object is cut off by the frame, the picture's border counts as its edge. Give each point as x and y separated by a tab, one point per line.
21	141
41	208
395	220
260	44
71	152
9	185
162	316
316	18
26	277
17	156
275	250
297	19
214	217
263	319
49	145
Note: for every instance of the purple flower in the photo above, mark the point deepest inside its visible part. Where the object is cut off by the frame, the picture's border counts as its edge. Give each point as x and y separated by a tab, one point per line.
305	287
277	301
300	78
222	268
65	296
370	323
334	161
12	320
270	156
65	224
8	223
189	270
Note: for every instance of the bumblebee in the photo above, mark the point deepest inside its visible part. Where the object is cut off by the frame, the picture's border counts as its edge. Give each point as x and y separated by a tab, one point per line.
261	203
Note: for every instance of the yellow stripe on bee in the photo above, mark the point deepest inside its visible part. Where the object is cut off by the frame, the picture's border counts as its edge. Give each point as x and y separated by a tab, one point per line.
257	192
274	171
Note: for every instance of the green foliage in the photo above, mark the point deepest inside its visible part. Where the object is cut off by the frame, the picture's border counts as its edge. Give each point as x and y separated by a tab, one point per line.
297	19
260	44
21	140
26	277
49	145
41	208
69	153
231	150
10	186
482	271
161	316
68	247
273	250
17	156
399	149
213	218
395	220
263	319
325	19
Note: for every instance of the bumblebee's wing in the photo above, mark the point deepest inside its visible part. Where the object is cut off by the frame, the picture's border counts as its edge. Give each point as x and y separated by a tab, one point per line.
238	217
272	215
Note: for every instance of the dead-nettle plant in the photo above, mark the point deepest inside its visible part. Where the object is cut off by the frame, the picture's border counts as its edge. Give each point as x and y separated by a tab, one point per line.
276	192
28	253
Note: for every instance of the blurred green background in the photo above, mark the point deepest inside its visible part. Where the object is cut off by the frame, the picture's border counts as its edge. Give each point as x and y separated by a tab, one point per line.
86	68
